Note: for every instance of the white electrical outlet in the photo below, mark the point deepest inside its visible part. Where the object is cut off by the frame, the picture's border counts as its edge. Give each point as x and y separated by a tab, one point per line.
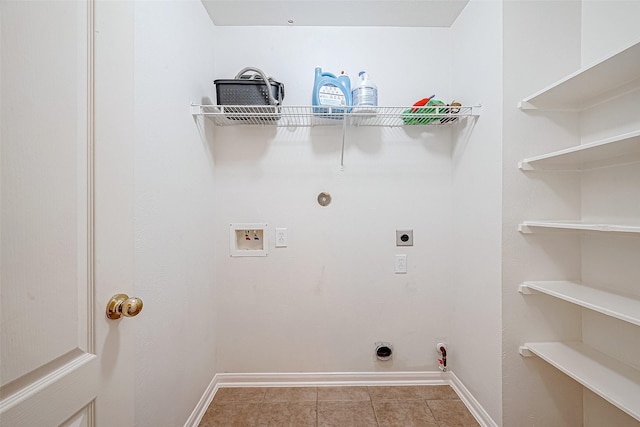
282	238
401	264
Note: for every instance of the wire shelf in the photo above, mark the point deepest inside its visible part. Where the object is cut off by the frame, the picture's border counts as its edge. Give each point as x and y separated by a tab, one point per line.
309	116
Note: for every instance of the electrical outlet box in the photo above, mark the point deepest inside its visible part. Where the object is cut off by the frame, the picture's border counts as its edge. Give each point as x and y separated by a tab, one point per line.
404	237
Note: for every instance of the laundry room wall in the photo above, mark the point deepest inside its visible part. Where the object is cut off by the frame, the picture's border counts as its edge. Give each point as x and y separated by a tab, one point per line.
174	211
607	26
610	195
475	354
321	303
541	45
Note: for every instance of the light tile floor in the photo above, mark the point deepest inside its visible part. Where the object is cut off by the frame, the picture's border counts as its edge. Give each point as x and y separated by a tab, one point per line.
389	406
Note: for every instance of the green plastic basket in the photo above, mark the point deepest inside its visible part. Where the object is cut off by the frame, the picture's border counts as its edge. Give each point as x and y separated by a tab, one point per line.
408	116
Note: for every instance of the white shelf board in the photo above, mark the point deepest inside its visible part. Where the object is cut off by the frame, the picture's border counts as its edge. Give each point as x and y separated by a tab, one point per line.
613	76
532	226
618	306
617	150
617	383
309	116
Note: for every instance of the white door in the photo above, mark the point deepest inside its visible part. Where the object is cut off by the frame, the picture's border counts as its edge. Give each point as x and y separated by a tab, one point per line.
66	212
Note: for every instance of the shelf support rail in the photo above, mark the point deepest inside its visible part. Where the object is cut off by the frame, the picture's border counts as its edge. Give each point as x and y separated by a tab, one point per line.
344	130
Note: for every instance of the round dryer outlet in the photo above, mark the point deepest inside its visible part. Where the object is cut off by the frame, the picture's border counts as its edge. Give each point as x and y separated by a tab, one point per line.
384	351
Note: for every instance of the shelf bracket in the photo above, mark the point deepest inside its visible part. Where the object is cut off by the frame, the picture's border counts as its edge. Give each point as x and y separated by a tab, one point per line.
524	229
195	109
526	105
524	351
525	166
525	290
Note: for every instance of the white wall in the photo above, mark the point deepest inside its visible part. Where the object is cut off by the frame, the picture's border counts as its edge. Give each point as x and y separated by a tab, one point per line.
174	212
541	45
610	195
475	354
607	26
321	303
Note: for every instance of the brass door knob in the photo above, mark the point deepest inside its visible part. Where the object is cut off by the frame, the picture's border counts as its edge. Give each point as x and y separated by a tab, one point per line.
121	305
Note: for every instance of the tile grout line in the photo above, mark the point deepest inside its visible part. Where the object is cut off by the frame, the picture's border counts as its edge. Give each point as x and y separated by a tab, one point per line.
373	408
431	412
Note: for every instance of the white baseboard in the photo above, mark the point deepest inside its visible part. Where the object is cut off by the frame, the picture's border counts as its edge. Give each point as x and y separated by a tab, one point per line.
482	416
203	403
316	379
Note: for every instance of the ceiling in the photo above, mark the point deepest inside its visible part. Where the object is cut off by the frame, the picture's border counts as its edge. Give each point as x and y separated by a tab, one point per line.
376	13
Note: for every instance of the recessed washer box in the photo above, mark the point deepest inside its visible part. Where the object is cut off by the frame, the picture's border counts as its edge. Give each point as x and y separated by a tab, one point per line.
248	239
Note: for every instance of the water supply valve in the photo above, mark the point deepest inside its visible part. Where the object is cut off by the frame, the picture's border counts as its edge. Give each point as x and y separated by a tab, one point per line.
442	349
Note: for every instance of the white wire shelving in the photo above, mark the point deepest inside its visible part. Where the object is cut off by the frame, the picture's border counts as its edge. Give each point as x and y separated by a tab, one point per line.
310	116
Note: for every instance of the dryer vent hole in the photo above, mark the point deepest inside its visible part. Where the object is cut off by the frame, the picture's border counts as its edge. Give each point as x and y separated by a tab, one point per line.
384	351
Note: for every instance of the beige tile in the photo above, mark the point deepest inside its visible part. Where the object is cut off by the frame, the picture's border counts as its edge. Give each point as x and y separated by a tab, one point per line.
451	413
336	394
437	392
395	393
341	414
291	394
240	414
293	414
382	393
429	392
240	394
413	413
408	392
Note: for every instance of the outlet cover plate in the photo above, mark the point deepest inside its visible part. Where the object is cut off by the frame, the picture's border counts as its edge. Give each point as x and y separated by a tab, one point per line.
404	237
401	264
282	237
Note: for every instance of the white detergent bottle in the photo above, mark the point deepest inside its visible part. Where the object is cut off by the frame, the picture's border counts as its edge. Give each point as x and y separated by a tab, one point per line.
364	95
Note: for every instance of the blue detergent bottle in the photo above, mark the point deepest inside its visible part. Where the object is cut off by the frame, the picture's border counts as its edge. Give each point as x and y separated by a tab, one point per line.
331	91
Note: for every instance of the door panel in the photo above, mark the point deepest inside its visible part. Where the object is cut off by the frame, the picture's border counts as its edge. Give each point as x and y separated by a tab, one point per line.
45	206
81	419
60	358
55	398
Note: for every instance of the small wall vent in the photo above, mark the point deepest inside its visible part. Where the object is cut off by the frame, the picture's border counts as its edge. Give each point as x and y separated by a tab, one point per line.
384	350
